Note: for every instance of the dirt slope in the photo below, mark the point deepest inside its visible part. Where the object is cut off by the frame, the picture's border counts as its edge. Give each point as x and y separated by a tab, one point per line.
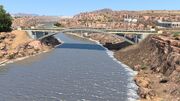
21	37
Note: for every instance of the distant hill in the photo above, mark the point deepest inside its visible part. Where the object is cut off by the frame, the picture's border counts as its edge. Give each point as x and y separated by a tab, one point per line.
108	18
26	21
23	15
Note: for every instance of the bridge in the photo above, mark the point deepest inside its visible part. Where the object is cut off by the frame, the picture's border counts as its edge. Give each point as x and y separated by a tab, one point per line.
113	31
137	34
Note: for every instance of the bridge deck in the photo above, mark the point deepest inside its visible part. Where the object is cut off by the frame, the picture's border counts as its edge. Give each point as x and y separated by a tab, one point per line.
113	31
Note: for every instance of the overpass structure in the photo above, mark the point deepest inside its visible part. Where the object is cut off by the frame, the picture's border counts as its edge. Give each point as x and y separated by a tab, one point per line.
137	34
113	31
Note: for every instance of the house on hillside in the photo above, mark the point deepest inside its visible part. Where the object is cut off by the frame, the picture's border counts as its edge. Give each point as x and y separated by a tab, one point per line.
164	24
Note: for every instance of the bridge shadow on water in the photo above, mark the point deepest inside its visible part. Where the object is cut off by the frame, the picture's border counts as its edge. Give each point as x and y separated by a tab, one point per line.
81	46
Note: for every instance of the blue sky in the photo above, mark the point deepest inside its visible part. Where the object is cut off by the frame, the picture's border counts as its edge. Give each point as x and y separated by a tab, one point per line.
72	7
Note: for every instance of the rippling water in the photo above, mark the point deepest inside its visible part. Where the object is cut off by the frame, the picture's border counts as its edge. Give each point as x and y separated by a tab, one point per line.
78	70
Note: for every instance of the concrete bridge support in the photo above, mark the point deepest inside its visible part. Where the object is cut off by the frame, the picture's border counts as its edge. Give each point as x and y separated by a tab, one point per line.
36	34
136	39
140	37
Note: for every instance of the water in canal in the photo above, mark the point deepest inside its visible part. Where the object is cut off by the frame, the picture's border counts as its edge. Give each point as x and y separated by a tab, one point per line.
78	70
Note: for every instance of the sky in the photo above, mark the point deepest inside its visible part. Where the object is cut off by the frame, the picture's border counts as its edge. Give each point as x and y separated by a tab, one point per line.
72	7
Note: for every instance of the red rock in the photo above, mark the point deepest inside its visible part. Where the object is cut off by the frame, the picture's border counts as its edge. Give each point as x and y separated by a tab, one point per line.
2	46
36	44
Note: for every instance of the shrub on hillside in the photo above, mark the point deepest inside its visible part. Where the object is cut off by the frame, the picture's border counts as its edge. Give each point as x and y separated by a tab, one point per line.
58	25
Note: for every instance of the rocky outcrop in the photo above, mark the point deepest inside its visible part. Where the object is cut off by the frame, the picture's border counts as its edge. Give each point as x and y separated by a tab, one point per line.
18	44
169	55
50	42
157	59
105	38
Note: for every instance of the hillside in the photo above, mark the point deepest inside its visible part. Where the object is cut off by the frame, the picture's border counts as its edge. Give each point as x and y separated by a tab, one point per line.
17	44
157	59
35	21
134	20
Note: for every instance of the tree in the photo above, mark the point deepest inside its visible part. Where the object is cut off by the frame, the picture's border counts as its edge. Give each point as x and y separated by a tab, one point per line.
5	20
58	25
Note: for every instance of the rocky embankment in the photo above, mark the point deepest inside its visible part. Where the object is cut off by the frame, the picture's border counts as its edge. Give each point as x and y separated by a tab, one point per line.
157	60
111	41
18	44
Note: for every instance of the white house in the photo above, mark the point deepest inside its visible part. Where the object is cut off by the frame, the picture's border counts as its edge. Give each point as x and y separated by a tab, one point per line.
164	24
129	20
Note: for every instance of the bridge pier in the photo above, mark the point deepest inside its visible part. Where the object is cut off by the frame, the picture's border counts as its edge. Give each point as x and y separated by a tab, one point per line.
36	34
143	36
136	39
81	33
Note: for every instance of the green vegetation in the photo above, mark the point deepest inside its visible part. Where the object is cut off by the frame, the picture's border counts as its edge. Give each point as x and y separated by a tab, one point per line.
5	20
143	67
11	56
176	35
58	25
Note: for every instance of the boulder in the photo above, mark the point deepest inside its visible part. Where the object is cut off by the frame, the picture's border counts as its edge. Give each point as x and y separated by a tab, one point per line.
1	55
164	80
172	62
11	56
36	44
3	35
146	93
178	68
142	81
2	46
175	92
